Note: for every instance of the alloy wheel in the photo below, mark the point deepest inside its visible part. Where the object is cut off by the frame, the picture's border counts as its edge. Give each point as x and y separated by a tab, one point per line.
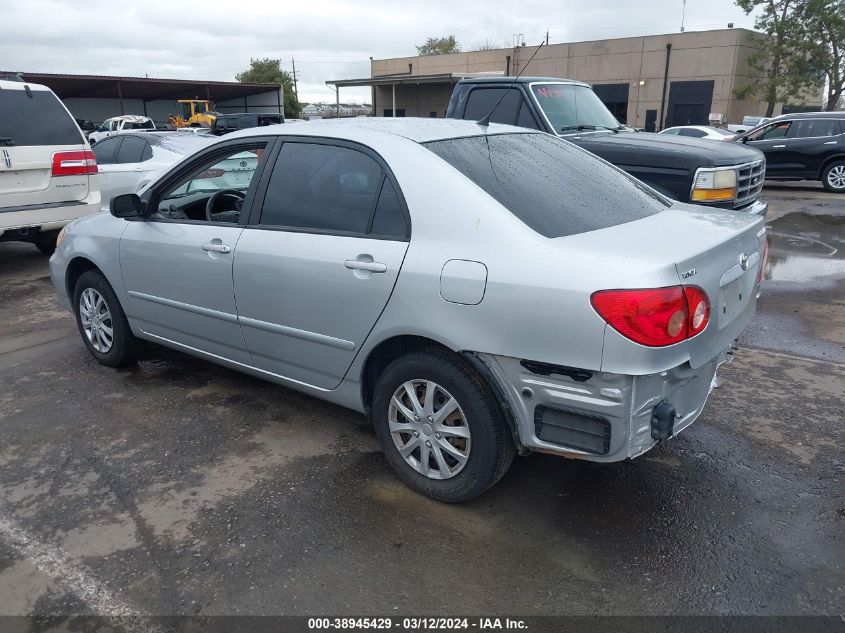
836	177
96	320
429	429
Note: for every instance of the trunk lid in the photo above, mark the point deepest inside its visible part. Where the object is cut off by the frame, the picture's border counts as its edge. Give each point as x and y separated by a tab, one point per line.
717	250
26	177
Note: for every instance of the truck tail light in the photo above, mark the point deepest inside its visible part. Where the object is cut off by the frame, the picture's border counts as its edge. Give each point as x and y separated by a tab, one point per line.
74	163
654	317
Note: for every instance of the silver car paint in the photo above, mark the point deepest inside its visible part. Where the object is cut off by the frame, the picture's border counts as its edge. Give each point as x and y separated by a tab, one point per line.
314	338
535	304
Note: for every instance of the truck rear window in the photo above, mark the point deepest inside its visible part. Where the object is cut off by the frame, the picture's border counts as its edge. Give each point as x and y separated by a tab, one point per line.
555	188
36	120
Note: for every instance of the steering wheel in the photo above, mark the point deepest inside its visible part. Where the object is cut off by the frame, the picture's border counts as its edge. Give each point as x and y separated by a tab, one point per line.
234	213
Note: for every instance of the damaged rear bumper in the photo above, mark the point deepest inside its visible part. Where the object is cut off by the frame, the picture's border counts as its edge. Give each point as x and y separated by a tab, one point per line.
598	416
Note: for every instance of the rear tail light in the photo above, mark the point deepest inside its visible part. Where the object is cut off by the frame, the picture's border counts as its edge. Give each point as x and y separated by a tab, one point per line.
654	317
763	260
74	163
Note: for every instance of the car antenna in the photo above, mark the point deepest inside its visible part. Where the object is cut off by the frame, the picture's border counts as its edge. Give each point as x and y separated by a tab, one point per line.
485	121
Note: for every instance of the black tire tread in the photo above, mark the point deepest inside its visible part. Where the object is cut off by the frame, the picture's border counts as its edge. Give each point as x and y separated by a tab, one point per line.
487	408
825	172
126	347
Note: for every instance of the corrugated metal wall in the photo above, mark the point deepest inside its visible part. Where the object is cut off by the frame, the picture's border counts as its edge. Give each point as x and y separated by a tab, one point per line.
98	110
267	102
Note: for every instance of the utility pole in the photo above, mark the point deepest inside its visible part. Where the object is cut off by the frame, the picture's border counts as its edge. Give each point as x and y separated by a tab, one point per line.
683	14
295	91
547	36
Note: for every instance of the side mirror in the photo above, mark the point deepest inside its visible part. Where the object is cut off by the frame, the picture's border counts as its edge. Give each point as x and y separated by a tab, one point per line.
128	205
743	139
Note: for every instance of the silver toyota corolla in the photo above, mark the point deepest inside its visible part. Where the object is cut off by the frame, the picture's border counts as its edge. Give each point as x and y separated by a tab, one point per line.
477	291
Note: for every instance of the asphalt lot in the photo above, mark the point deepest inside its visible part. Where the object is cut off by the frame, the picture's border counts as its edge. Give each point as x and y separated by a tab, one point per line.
179	487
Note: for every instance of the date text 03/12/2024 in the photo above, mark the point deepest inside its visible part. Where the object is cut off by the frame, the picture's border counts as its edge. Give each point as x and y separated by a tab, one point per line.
417	624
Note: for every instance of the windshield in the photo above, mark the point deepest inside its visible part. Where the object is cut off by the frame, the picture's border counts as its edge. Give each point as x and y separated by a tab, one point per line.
572	107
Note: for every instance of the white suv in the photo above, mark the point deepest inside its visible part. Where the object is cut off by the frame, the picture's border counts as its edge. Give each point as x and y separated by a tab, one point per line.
48	173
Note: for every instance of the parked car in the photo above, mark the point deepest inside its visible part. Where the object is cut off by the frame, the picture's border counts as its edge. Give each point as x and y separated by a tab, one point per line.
122	123
129	161
196	131
476	291
48	174
685	169
808	146
700	131
226	123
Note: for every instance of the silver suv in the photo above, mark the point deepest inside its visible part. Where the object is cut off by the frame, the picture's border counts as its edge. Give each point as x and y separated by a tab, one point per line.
48	174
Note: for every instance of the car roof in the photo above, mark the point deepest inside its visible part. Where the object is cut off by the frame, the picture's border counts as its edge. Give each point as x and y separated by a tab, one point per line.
135	118
708	128
499	79
810	115
5	84
182	144
365	129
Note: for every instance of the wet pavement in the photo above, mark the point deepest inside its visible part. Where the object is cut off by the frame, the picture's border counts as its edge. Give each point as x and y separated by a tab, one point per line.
177	486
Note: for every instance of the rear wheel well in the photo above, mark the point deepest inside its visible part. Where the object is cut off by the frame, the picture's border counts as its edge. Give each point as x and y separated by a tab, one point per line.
385	353
827	163
75	268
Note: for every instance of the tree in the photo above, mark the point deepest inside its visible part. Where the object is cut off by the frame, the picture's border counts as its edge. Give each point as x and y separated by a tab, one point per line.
439	46
824	21
781	59
487	45
269	71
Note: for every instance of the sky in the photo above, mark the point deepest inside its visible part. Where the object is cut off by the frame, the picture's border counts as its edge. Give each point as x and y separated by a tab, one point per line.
215	39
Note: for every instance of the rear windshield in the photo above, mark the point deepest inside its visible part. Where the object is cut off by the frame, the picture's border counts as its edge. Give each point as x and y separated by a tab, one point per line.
554	187
36	120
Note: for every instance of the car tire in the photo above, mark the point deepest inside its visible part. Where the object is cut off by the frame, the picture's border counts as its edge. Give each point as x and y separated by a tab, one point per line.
475	429
833	177
98	311
46	243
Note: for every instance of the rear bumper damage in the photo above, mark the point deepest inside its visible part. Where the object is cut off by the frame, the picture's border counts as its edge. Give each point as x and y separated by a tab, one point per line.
598	416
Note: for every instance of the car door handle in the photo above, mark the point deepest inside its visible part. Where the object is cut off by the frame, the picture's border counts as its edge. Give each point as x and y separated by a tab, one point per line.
778	146
216	248
373	267
829	143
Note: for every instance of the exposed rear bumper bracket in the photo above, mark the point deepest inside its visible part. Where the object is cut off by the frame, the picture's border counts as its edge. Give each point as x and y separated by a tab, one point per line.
663	421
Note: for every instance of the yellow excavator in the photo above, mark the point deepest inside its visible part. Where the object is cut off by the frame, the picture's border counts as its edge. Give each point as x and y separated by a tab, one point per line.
195	113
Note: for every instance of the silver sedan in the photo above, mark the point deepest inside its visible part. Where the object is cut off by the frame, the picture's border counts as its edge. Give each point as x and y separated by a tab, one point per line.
477	291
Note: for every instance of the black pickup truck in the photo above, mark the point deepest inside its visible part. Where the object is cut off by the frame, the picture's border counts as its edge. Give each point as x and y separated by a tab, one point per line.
688	169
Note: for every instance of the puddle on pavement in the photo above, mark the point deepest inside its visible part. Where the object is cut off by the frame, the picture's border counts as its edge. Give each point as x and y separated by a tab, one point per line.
155	370
806	247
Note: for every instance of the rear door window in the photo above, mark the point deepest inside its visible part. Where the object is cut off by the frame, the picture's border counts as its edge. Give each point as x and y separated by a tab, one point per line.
526	117
482	100
389	219
38	119
131	150
554	187
106	150
322	188
812	128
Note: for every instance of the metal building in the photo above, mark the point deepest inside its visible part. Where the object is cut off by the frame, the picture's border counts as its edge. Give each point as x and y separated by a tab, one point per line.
99	97
648	82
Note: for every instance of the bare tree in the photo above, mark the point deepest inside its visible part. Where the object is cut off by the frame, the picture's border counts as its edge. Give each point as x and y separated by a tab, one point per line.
487	44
